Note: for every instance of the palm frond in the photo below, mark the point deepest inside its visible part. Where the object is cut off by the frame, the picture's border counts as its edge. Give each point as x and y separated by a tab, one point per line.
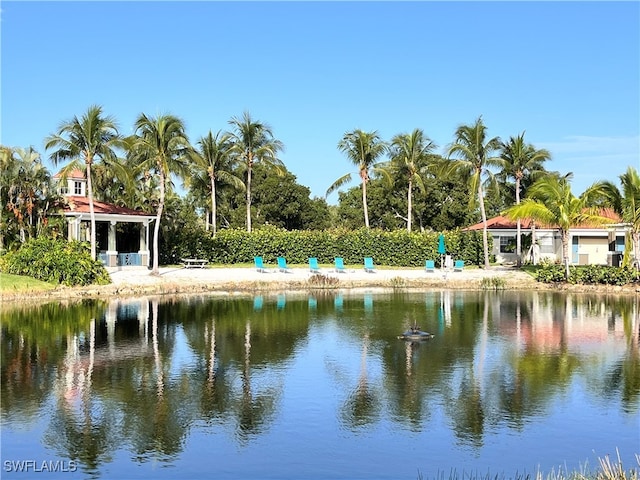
338	183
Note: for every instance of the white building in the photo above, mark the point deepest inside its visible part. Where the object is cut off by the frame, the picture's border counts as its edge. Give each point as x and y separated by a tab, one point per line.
590	245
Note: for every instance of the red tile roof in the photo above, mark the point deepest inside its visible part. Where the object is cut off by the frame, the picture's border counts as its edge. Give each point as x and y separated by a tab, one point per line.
80	204
503	223
74	175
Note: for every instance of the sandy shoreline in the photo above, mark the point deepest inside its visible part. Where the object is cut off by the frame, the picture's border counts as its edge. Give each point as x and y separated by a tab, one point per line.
133	281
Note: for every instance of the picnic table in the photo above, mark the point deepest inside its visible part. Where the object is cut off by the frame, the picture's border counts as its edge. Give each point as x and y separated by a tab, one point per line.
194	262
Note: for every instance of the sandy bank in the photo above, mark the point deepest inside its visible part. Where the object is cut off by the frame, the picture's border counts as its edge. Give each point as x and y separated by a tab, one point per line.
132	281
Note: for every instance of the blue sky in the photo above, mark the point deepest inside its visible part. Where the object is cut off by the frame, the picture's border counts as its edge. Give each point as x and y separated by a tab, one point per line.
567	73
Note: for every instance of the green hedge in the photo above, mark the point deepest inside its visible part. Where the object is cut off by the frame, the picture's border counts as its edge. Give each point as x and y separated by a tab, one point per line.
55	261
588	275
399	248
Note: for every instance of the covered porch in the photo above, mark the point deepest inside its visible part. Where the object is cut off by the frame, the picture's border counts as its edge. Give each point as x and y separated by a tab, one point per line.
122	234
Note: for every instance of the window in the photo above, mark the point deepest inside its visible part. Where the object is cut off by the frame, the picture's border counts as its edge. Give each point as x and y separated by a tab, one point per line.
77	188
507	244
64	190
546	244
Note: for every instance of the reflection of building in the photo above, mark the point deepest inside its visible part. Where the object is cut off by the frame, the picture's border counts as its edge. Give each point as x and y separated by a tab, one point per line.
126	248
98	348
589	245
573	324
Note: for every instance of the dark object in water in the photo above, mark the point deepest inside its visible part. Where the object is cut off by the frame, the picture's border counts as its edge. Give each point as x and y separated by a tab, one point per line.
415	334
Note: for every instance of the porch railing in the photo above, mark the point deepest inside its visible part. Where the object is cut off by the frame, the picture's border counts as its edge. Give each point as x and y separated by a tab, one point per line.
123	259
128	259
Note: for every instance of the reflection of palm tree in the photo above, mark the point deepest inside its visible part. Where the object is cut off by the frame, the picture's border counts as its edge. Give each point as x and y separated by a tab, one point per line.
254	409
88	437
212	357
215	394
362	406
466	405
156	352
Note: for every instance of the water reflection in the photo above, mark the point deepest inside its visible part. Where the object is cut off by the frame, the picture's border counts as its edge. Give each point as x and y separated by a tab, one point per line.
146	375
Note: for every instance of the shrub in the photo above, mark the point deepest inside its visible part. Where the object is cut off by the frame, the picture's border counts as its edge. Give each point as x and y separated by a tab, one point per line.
398	248
588	275
55	261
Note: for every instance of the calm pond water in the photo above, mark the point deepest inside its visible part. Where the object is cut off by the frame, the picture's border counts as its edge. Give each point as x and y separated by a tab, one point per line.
319	386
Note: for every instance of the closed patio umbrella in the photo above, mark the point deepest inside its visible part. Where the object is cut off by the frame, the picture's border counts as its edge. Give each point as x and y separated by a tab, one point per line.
442	249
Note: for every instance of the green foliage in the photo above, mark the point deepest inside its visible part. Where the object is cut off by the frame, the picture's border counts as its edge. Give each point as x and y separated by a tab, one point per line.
281	201
588	275
398	248
55	261
443	205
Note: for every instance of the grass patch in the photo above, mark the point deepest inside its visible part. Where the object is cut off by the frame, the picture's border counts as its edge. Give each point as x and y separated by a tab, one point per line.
531	269
19	283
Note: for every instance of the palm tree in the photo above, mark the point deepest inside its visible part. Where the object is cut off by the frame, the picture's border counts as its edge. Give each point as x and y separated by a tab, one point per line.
8	172
161	147
363	149
551	202
475	152
409	156
519	160
627	204
30	191
251	142
25	193
84	141
213	159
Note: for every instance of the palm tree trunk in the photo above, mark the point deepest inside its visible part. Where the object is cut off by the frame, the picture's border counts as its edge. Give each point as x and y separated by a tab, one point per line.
564	234
518	224
249	196
485	240
156	229
92	213
409	198
534	241
364	203
635	238
213	206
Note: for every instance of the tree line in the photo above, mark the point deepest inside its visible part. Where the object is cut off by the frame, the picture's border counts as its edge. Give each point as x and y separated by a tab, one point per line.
235	178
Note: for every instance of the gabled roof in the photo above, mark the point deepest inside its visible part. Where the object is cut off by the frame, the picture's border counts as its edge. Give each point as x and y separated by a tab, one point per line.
503	223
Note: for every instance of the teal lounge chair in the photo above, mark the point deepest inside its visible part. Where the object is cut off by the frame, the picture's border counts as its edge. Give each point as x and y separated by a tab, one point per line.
368	265
458	265
313	265
339	262
282	265
430	266
259	265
